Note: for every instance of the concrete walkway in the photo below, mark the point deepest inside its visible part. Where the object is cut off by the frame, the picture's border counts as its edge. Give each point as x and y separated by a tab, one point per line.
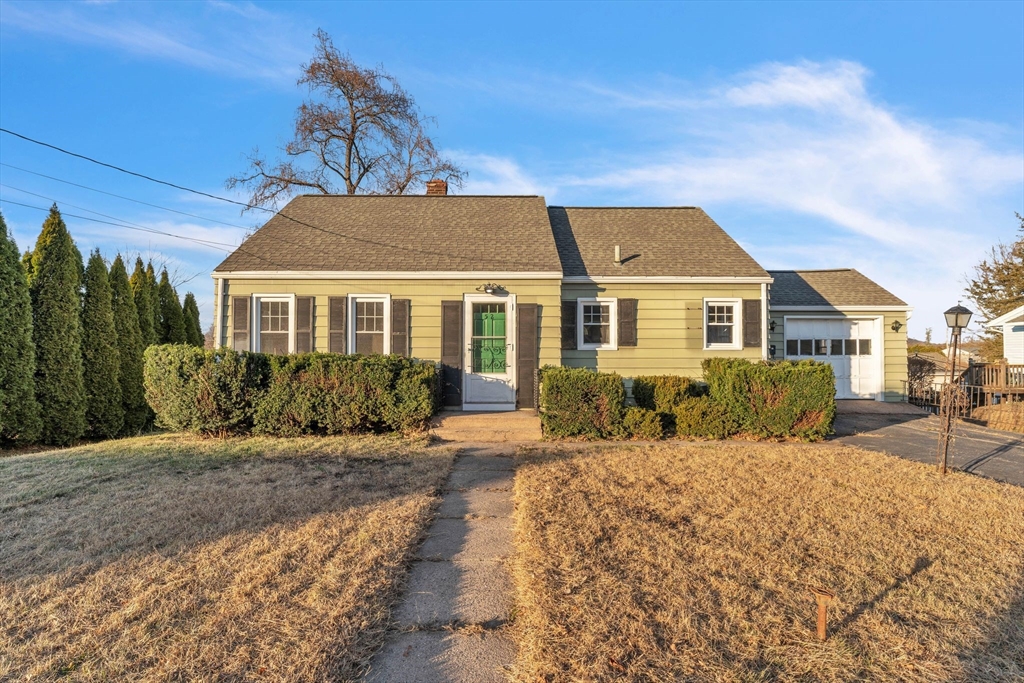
450	624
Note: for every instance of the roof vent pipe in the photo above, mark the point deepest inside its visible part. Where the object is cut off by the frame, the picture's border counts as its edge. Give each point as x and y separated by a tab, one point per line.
618	256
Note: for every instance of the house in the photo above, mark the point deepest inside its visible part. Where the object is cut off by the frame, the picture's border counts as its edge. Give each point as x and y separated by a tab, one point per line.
494	287
1011	326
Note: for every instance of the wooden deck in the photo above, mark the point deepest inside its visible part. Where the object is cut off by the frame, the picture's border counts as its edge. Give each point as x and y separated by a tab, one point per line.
996	378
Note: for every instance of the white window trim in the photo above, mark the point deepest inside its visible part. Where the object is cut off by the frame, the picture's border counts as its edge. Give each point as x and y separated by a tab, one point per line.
613	322
254	333
737	324
352	299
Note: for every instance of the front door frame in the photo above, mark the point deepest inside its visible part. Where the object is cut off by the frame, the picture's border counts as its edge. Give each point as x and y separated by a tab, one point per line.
511	356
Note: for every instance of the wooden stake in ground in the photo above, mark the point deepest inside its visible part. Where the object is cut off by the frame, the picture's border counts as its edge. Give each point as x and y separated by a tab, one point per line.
823	597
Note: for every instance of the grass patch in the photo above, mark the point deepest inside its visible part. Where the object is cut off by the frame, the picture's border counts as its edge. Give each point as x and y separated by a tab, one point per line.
172	557
692	562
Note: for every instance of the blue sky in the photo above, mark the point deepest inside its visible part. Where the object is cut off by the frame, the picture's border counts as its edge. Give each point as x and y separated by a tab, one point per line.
883	136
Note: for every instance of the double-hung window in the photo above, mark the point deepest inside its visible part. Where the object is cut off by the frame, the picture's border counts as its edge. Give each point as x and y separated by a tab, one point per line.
597	324
275	328
722	319
371	324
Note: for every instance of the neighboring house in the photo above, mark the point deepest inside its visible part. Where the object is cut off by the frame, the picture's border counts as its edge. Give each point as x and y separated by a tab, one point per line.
842	317
494	287
1011	326
929	370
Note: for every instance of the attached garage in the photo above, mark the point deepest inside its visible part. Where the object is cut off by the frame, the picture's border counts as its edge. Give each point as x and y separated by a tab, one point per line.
850	345
842	318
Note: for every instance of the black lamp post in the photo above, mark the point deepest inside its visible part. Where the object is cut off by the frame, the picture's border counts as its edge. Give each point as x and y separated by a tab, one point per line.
957	318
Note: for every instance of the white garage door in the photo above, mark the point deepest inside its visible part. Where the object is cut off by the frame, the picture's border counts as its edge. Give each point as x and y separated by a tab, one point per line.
849	345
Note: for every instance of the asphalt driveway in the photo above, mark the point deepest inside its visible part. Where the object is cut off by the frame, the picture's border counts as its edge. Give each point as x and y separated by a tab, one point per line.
909	432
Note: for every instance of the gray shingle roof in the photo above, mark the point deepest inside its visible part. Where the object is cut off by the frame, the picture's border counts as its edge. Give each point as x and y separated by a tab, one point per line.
401	234
838	287
654	242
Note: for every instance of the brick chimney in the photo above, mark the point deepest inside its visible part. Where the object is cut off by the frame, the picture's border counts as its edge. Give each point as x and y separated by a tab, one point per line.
437	187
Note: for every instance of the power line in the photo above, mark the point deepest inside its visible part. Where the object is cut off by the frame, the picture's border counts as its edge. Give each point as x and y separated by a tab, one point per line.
364	240
129	199
125	224
132	173
119	225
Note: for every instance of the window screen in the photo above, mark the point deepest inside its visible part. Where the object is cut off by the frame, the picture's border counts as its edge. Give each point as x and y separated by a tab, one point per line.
597	324
489	343
274	326
369	327
721	320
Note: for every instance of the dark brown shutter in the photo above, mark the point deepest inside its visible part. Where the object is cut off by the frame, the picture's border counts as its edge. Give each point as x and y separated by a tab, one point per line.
451	353
400	326
240	323
568	324
337	308
527	347
303	324
627	322
752	322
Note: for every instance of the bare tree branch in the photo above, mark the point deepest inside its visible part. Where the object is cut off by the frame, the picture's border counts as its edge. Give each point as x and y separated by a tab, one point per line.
359	133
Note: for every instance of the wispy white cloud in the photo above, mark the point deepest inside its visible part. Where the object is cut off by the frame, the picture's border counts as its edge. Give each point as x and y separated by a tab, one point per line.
242	41
498	175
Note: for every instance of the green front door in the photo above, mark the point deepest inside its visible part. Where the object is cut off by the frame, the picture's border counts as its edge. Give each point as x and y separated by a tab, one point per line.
489	343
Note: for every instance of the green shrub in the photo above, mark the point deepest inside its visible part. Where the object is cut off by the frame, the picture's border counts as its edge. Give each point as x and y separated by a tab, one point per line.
662	393
190	316
171	328
201	391
576	402
775	399
641	423
317	393
137	414
703	417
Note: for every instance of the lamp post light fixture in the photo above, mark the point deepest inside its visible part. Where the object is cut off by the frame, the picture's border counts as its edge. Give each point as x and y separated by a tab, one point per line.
957	318
896	326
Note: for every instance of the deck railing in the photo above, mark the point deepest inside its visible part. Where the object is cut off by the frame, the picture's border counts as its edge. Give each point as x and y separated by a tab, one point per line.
996	377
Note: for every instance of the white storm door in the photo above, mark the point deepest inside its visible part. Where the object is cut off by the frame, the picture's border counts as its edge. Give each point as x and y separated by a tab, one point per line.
489	375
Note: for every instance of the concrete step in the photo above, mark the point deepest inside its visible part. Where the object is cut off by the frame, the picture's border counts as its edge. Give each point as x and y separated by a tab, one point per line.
505	427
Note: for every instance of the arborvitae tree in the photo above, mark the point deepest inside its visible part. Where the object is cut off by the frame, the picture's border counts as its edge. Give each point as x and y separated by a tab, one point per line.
154	301
57	332
104	414
129	348
172	321
26	264
19	411
143	296
193	330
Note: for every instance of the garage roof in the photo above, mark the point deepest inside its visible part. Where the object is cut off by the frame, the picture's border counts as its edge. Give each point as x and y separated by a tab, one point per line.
834	288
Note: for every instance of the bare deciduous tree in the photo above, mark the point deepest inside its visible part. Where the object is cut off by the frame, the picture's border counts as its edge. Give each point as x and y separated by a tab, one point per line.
359	133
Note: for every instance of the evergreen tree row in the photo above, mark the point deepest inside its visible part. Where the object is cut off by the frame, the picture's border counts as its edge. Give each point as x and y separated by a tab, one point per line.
72	337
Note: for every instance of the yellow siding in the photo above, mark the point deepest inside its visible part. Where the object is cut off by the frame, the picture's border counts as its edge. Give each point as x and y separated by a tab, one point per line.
894	347
670	336
425	296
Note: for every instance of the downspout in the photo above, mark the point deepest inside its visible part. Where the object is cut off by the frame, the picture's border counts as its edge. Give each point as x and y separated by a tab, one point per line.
764	321
218	313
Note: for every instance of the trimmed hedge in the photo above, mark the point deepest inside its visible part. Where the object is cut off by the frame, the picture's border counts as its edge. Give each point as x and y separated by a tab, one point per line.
227	391
577	402
318	393
662	393
201	391
641	423
703	417
775	399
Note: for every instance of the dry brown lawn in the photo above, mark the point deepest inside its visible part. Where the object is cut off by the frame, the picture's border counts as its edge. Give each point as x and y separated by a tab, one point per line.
693	561
175	558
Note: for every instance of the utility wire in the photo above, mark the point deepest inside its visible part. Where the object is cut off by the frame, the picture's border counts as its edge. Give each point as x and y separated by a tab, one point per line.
122	221
206	243
133	173
245	205
128	199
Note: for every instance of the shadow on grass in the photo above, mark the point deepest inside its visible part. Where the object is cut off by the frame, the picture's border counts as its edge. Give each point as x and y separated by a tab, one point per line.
999	654
921	564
